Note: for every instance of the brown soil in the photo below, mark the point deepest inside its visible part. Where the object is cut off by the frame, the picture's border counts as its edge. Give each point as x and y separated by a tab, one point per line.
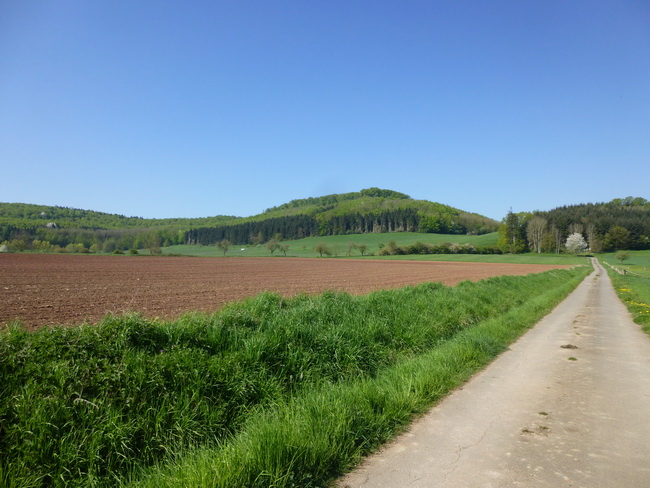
43	289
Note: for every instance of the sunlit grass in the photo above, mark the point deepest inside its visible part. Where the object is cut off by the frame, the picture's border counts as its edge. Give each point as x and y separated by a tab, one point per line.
634	286
268	391
339	245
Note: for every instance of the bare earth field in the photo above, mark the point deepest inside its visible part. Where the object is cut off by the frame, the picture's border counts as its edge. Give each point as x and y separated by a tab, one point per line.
52	289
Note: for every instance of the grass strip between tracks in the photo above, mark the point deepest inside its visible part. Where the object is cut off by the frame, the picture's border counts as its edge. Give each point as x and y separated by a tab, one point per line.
311	439
267	392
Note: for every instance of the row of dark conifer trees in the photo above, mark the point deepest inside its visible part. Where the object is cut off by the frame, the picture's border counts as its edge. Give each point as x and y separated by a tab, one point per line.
300	226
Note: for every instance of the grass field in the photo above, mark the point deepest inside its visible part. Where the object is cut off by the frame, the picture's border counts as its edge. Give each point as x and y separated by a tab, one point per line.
267	392
338	244
638	262
305	248
527	258
339	247
634	287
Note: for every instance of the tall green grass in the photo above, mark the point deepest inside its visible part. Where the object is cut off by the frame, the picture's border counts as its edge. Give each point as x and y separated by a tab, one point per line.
267	392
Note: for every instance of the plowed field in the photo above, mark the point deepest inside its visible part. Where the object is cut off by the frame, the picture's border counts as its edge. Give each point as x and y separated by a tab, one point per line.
42	289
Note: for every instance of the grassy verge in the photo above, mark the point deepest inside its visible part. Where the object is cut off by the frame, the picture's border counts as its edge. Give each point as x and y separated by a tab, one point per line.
634	287
267	392
313	438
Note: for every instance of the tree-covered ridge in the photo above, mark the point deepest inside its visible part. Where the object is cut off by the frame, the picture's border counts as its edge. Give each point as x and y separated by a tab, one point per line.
368	211
24	216
334	199
623	223
373	210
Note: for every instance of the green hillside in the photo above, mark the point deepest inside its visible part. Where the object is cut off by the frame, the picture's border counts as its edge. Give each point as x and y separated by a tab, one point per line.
25	216
372	210
623	223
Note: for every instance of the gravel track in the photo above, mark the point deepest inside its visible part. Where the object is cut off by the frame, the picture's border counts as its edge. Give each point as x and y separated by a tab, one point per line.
566	406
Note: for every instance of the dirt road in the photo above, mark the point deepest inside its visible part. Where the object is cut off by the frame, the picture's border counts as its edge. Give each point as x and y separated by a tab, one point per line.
542	415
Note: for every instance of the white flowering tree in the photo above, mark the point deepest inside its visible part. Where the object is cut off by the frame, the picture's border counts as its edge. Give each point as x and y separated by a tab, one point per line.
576	243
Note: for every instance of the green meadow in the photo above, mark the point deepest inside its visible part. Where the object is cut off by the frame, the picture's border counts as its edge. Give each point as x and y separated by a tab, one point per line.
339	245
634	286
266	392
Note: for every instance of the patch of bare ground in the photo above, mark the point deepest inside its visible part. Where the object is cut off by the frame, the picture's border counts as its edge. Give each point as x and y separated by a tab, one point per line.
49	289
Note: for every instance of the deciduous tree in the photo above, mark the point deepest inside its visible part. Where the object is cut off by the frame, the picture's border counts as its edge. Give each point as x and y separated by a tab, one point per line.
363	248
273	245
224	245
576	243
351	247
535	231
622	256
322	248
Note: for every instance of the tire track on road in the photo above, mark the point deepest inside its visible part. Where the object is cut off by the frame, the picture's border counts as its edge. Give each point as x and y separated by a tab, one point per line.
541	415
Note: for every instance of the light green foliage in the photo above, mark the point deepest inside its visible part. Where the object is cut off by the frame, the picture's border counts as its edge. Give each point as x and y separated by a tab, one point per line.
322	249
273	245
224	245
25	215
622	256
275	392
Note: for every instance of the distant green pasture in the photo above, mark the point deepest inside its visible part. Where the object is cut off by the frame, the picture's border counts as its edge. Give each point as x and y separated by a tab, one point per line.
638	262
337	244
304	248
527	258
634	287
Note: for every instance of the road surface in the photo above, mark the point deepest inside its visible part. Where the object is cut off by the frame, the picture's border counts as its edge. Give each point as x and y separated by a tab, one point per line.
541	415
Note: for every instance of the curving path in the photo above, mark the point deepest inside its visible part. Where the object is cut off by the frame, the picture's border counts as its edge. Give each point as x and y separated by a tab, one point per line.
541	415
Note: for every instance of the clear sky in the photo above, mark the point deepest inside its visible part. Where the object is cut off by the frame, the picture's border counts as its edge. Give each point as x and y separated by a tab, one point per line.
197	108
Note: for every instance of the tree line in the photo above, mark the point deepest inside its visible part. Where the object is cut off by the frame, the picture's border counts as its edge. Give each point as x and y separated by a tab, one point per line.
300	226
255	232
616	225
26	216
52	239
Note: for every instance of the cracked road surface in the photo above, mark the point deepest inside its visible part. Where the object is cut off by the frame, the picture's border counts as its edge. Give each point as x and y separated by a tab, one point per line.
541	414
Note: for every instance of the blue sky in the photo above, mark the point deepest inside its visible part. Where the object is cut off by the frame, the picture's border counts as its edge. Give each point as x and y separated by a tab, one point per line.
199	108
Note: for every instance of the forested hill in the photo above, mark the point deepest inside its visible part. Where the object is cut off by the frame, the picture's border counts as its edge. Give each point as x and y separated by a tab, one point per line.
26	226
49	228
338	198
372	210
623	223
25	216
